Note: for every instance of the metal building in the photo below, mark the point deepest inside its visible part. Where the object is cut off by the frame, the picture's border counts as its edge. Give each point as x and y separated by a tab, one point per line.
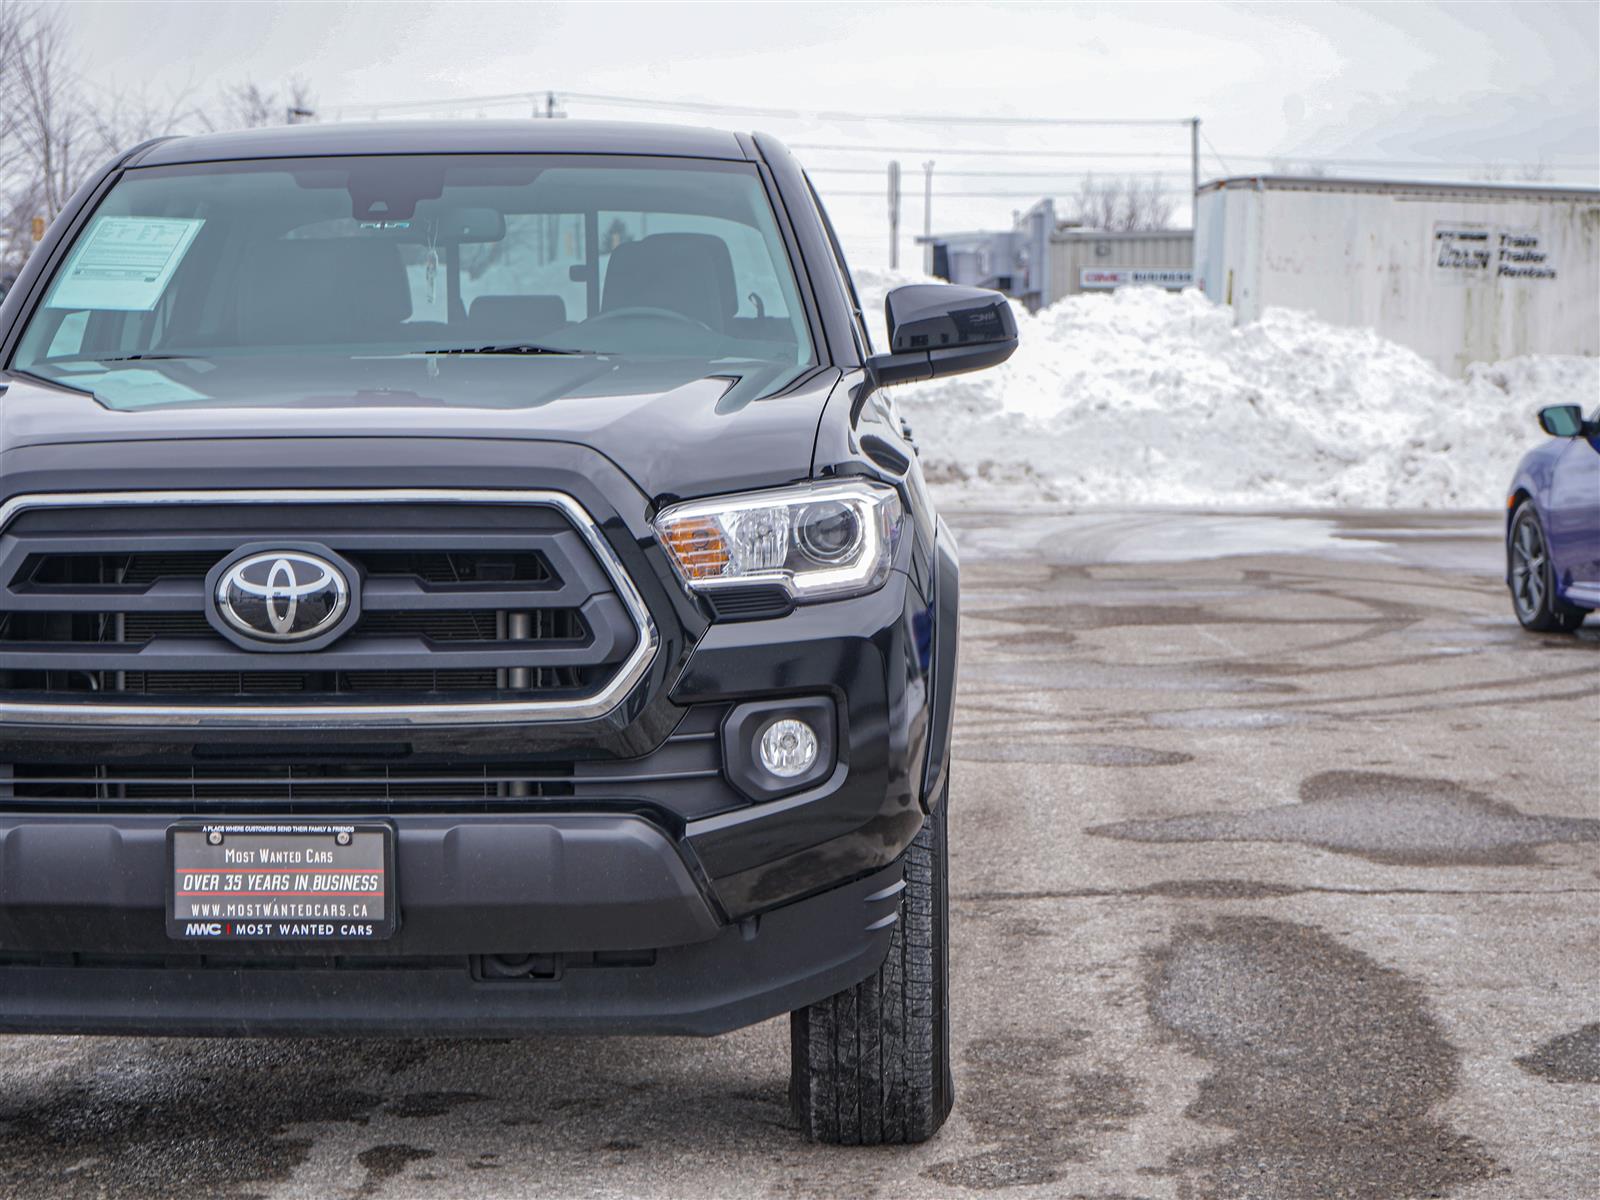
1040	259
1016	261
1461	273
1089	260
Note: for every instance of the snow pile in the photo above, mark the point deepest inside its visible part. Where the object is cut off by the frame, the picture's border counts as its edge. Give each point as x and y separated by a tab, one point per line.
1149	398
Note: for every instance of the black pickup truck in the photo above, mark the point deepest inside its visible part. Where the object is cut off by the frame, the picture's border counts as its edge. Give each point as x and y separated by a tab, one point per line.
465	579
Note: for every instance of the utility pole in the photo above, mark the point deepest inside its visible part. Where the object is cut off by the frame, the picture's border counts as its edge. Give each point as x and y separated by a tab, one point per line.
927	199
894	214
1194	170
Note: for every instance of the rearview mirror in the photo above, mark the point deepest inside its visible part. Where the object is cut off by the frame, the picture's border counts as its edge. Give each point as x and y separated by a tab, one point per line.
1561	420
943	329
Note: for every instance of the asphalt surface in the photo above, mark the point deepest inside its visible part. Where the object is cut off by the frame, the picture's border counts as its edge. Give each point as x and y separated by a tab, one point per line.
1274	875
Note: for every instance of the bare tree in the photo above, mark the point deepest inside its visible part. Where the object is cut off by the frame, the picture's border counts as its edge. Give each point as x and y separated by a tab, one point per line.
55	127
10	47
122	118
1149	206
1122	205
49	124
1096	204
248	105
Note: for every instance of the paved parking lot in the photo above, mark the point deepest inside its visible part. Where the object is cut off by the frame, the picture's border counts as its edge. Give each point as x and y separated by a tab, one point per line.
1274	875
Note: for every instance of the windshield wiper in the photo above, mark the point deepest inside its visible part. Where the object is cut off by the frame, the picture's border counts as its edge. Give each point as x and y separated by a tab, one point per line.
507	348
141	358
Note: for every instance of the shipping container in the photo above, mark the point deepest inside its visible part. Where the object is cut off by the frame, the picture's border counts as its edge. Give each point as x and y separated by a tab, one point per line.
1461	273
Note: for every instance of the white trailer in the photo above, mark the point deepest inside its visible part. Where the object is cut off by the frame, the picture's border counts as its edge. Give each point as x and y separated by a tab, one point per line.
1461	273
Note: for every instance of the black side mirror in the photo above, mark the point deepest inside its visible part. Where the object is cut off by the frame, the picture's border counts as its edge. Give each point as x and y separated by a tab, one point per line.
943	329
1562	420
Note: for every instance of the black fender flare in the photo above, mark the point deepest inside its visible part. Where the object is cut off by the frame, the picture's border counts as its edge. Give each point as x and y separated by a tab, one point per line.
946	581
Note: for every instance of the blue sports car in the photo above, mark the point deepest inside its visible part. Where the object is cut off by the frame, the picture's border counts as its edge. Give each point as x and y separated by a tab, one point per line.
1553	524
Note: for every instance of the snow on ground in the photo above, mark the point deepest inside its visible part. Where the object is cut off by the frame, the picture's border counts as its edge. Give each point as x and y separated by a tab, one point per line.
1148	398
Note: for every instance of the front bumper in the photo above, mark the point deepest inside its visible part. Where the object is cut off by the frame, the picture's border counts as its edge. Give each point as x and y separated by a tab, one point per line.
739	975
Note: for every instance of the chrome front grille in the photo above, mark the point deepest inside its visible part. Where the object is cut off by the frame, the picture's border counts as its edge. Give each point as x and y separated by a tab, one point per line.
476	606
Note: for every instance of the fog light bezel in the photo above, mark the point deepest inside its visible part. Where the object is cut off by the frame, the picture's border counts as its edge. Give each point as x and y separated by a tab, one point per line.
743	728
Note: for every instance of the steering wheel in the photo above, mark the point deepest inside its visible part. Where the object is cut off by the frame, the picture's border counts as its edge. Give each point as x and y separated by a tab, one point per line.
664	314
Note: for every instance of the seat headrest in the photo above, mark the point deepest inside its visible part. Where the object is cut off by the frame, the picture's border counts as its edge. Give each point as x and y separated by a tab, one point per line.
320	290
689	273
515	318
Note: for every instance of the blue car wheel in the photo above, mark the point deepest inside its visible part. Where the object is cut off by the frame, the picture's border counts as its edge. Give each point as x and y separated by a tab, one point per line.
1532	581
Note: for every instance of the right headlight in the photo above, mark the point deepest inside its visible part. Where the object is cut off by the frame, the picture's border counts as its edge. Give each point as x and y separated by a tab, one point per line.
819	541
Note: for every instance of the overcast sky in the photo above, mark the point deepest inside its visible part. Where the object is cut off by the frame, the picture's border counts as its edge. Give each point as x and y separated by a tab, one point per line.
1446	85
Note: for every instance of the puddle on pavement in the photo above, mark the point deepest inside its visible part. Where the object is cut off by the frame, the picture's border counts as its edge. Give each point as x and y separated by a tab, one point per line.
1156	537
1325	1066
1218	889
1079	754
431	1104
1014	1093
1395	819
383	1163
1166	889
190	1119
1571	1058
1080	676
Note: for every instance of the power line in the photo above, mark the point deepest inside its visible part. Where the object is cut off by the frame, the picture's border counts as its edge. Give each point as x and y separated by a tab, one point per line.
1227	170
710	106
1033	195
842	115
995	152
1040	174
944	119
987	151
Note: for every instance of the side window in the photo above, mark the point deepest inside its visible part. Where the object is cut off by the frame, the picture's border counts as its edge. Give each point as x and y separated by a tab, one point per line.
863	332
68	337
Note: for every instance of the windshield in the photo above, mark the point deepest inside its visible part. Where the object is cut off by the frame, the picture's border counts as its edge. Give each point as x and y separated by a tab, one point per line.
340	275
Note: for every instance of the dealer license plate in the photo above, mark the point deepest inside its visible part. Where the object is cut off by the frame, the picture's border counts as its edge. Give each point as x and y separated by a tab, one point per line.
280	881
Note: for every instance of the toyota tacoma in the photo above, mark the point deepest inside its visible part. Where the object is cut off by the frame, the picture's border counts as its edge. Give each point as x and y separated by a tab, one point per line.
466	579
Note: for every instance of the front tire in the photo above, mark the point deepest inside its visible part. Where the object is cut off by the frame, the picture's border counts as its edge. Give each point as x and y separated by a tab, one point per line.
1532	578
871	1065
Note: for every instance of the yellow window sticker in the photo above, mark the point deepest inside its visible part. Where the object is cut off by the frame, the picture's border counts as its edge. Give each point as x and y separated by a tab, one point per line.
124	263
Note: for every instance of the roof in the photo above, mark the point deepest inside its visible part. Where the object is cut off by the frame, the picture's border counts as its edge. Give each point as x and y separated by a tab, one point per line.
1080	234
1405	187
927	239
456	137
1072	233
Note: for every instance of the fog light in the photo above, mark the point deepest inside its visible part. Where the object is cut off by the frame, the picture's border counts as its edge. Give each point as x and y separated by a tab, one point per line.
788	748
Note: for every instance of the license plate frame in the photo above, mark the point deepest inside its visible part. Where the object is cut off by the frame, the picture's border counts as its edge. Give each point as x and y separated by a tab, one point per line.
317	912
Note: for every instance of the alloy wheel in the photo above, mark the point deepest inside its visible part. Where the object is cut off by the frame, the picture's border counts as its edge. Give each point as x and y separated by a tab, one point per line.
1528	569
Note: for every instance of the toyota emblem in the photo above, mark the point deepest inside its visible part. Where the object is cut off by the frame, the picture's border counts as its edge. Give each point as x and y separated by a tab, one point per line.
283	596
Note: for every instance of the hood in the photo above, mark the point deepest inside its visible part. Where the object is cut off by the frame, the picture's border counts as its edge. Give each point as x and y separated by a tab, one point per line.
674	429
